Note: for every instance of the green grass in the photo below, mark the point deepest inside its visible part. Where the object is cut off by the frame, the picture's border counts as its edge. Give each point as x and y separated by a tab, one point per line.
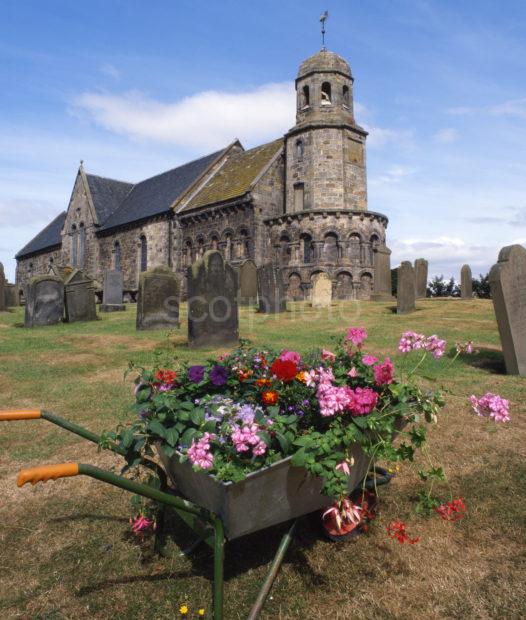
65	548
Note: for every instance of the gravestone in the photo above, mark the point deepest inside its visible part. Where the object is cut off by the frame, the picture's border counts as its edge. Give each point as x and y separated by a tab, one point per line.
11	296
248	283
466	282
507	281
112	291
79	293
271	290
212	302
406	288
382	287
44	301
158	299
421	269
3	305
321	295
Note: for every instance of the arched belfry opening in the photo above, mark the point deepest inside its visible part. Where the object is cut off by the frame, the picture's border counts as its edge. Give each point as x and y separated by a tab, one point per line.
326	95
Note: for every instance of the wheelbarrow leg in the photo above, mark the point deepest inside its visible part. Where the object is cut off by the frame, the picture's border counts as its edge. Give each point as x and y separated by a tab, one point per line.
219	561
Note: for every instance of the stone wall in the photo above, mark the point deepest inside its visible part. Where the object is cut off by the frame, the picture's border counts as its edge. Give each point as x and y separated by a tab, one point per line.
37	265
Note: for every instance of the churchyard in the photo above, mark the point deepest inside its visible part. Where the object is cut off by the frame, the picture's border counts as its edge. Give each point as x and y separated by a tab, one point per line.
67	550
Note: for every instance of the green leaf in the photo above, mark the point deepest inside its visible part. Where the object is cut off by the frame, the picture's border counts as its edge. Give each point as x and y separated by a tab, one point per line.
298	458
127	439
283	442
188	435
186	405
198	416
360	421
172	435
155	427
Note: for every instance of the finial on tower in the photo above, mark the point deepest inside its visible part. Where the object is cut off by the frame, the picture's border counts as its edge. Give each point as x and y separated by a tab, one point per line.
81	163
323	18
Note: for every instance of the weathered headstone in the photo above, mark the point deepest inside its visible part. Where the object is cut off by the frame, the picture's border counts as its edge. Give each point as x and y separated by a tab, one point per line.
3	305
158	299
248	283
507	281
321	296
382	288
44	301
212	302
421	269
466	282
112	291
406	289
271	290
79	293
11	296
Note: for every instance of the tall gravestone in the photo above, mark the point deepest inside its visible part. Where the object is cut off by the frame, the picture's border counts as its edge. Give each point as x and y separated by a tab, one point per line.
3	305
271	290
11	296
507	281
158	299
466	282
212	302
248	283
44	301
406	289
321	295
421	269
79	293
382	288
112	291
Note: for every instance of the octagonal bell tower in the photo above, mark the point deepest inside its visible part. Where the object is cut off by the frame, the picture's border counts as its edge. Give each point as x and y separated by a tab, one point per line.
325	150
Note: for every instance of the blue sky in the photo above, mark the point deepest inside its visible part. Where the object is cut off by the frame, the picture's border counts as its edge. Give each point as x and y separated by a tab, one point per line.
135	88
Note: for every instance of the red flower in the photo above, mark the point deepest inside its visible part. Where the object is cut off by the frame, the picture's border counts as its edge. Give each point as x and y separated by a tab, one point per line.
396	529
452	511
269	397
263	382
165	376
244	374
285	370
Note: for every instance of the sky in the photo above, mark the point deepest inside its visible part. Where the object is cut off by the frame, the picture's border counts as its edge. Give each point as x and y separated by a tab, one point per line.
138	87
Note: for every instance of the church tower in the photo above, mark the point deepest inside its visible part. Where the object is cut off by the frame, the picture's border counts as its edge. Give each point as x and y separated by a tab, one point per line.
325	150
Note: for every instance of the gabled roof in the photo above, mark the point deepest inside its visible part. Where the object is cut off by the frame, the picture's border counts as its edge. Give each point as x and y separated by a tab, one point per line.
237	176
46	238
157	194
107	194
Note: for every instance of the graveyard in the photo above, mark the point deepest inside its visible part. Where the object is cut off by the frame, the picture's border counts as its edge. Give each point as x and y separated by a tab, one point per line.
73	540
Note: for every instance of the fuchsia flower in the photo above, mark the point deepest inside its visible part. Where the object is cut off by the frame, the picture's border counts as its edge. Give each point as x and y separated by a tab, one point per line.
140	524
345	466
356	335
290	356
491	406
199	452
344	513
383	373
369	360
328	356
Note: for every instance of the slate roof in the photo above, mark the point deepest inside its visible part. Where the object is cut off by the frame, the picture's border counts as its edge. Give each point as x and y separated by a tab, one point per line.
46	238
157	194
237	175
107	195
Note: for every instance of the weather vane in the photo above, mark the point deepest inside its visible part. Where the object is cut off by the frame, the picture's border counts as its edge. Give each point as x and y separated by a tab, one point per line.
323	18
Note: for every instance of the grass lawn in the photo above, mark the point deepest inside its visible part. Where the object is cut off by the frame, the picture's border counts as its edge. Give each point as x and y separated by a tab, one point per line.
65	547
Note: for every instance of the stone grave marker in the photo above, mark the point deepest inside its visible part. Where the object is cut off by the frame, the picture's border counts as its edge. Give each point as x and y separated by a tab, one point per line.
421	269
406	288
11	296
466	282
212	302
248	283
79	292
271	290
112	291
3	305
507	281
382	288
44	301
321	296
158	299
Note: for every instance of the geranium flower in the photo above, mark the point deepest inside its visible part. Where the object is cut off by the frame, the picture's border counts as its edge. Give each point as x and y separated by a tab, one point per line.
353	373
363	401
411	341
356	335
218	375
369	360
452	511
199	452
435	346
269	397
396	530
491	406
284	370
466	347
290	356
383	373
328	356
196	373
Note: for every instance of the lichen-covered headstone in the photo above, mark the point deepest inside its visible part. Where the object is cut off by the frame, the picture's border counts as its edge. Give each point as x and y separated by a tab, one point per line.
3	305
44	301
382	288
507	281
321	296
158	299
248	283
406	289
11	296
79	292
112	291
212	302
466	282
421	269
271	290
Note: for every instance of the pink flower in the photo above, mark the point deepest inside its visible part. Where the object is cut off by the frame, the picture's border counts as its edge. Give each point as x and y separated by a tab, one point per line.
353	373
466	347
333	399
140	524
246	437
383	373
327	355
411	341
491	406
435	346
290	356
363	401
199	452
318	376
369	360
356	335
344	466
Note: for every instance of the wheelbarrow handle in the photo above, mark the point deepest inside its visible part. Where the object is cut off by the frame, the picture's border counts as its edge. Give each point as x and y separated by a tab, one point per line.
20	414
46	472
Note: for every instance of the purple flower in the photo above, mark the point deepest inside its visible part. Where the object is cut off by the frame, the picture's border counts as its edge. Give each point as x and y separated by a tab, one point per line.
218	375
196	373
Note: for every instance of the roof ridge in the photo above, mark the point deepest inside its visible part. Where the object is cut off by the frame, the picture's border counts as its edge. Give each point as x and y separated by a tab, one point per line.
98	176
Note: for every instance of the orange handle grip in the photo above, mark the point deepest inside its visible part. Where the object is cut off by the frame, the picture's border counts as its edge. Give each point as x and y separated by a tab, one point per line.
20	414
47	472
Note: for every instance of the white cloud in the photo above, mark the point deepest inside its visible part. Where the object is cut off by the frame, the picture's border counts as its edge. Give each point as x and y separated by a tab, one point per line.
21	213
462	110
381	136
514	107
206	120
393	174
446	135
110	70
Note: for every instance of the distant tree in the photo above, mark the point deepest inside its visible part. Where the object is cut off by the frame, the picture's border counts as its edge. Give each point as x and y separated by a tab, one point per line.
481	287
394	281
438	287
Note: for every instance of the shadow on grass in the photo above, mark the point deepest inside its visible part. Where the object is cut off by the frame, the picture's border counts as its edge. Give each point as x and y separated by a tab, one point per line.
91	517
127	579
490	360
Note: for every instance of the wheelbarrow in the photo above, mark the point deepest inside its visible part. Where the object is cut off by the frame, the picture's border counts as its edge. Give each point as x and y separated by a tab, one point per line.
208	524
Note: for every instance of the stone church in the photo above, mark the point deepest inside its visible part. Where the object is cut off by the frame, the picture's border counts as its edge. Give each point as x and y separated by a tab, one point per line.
300	201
